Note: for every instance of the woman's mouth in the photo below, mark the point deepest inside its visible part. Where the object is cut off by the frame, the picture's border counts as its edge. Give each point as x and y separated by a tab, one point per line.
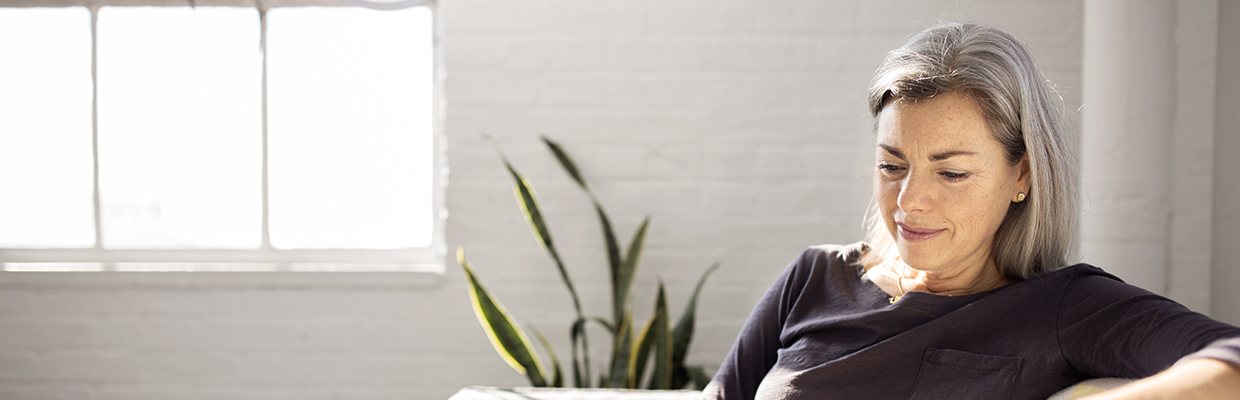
918	234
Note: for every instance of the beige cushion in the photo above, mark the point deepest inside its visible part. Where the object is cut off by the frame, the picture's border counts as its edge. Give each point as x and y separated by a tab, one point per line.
1089	387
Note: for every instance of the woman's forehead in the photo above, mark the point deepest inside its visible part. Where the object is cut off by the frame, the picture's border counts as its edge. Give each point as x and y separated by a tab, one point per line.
936	128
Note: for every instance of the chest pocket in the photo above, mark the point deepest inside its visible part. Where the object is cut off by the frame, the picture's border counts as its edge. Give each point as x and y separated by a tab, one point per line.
959	375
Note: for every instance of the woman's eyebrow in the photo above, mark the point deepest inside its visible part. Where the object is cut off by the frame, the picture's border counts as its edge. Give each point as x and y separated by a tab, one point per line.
892	150
936	157
949	154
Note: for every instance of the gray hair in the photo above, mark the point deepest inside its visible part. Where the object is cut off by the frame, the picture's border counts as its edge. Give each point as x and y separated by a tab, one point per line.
1025	115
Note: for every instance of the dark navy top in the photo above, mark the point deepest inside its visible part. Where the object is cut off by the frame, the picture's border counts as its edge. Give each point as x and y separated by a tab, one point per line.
821	332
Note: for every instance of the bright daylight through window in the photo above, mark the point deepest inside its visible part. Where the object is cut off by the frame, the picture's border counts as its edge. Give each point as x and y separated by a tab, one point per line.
202	141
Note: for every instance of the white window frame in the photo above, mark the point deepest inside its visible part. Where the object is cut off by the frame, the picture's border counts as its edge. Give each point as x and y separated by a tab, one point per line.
413	259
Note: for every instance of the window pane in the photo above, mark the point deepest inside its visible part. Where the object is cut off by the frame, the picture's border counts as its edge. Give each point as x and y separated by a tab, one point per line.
46	171
349	127
49	267
180	134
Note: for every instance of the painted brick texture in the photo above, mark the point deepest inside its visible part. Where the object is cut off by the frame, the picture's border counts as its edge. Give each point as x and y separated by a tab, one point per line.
738	127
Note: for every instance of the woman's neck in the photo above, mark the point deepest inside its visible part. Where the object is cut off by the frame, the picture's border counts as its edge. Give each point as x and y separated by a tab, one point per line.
896	278
952	283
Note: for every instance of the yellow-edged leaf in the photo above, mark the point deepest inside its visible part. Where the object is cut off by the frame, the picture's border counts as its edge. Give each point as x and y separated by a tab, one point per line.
557	379
614	264
533	215
641	353
506	336
661	378
620	353
629	268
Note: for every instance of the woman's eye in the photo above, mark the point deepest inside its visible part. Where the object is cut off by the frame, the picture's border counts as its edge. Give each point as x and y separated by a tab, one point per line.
954	176
888	168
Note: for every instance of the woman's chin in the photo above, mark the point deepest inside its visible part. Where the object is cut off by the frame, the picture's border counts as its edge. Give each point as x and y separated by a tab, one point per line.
916	259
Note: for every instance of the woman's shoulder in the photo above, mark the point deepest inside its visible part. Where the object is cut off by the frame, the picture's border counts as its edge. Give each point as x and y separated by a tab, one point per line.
826	261
835	253
823	273
1073	274
1085	288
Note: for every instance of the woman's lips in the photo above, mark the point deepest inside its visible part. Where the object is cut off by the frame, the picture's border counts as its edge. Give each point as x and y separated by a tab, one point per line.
918	234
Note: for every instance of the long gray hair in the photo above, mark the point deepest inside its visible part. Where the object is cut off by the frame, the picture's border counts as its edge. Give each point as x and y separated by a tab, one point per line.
1025	115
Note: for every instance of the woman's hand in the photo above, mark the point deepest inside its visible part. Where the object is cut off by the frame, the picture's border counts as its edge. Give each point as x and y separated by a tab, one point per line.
1197	379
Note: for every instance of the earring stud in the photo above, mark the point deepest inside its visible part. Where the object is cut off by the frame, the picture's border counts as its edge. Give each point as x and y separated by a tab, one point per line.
1020	197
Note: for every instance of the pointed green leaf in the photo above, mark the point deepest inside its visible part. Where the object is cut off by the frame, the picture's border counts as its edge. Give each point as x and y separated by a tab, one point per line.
642	348
506	336
528	200
533	215
565	162
662	375
614	263
557	380
683	334
620	353
629	269
581	367
585	352
609	235
578	374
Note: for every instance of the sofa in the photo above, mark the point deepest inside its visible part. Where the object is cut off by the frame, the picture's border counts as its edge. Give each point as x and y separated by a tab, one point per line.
492	393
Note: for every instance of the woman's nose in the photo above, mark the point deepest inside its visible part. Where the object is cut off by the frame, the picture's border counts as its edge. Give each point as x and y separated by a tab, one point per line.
915	194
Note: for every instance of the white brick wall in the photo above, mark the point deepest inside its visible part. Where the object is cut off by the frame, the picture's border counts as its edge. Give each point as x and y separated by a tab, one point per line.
1226	175
739	126
1192	213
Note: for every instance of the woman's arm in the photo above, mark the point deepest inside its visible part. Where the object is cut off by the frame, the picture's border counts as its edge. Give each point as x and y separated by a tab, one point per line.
1111	329
756	348
1201	378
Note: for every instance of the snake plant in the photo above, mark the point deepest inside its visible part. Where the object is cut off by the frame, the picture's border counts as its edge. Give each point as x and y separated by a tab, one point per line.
656	343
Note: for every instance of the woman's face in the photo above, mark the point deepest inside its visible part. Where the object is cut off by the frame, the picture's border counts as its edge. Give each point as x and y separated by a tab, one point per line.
943	183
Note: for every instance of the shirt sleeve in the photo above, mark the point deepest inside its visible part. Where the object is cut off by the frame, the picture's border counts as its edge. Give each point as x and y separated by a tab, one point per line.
1225	350
756	348
1108	328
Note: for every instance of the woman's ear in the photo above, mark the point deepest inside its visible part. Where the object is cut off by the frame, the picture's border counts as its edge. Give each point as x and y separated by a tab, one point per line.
1025	180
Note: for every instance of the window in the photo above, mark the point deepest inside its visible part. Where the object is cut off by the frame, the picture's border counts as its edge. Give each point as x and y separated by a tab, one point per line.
287	138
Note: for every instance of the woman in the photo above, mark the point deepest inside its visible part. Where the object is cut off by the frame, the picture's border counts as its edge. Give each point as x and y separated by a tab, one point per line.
962	289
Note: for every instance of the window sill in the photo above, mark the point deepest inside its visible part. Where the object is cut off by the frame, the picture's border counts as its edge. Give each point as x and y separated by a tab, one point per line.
223	280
